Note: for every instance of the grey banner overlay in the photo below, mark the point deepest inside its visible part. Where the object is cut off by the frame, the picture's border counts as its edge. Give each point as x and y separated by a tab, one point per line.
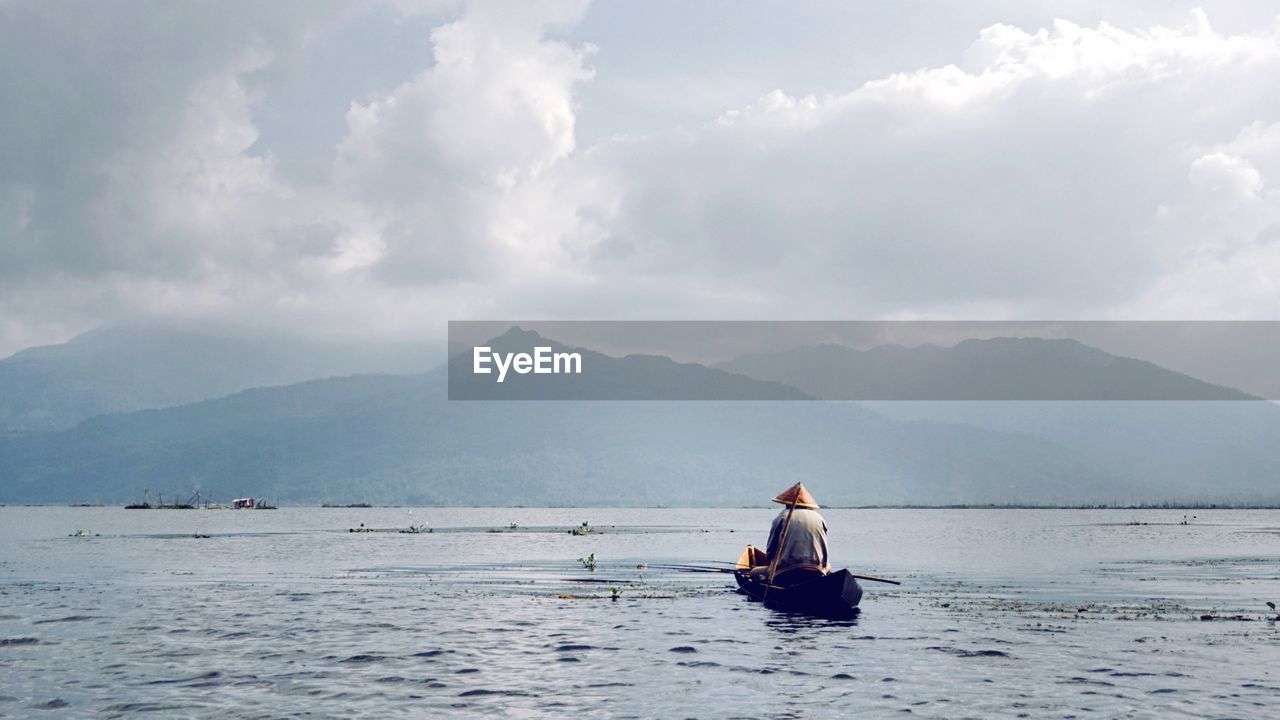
864	360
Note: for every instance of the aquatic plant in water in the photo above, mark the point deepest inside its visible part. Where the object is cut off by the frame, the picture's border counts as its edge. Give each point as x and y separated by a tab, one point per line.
589	562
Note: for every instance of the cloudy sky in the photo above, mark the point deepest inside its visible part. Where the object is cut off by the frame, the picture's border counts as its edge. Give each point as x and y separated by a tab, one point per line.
373	169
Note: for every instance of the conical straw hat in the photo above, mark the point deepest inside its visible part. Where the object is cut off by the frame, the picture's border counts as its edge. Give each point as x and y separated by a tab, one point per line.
797	494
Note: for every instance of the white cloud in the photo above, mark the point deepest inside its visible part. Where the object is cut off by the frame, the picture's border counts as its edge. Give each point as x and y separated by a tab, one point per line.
1027	181
1224	234
436	162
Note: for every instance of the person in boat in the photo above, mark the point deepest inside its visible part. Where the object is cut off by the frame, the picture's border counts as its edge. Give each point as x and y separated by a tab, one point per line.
797	540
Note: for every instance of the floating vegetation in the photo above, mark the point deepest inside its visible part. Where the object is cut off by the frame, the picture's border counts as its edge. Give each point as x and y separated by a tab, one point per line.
199	536
1154	610
83	533
415	529
589	562
646	596
584	529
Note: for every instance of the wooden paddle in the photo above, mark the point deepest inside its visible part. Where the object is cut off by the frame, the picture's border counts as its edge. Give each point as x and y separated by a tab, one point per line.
873	578
702	568
782	542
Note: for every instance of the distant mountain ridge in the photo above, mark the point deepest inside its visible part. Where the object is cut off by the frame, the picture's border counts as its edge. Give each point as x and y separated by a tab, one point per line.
978	370
397	439
127	368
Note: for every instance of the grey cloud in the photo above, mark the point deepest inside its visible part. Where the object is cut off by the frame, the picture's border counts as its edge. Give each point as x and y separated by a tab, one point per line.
378	168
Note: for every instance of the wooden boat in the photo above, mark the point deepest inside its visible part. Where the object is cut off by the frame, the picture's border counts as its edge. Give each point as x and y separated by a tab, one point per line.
835	595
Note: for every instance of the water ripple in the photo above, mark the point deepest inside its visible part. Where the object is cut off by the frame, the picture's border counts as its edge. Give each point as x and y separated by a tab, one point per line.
277	614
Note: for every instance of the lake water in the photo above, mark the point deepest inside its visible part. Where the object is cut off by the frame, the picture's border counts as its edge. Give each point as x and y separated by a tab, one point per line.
1035	613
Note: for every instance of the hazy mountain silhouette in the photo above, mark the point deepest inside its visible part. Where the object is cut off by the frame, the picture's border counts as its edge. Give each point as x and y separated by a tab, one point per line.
992	369
1175	432
397	439
1188	449
120	369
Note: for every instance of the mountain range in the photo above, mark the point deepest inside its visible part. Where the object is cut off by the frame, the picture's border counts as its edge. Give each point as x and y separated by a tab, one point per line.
399	439
126	368
995	369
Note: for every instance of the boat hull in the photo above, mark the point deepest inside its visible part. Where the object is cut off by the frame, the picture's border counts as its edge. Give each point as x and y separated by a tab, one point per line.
835	595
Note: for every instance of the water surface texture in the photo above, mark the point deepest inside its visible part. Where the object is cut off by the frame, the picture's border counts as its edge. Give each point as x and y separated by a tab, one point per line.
1035	613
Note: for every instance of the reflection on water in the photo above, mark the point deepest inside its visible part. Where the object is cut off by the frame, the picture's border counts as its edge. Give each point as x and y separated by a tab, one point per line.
803	626
287	613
